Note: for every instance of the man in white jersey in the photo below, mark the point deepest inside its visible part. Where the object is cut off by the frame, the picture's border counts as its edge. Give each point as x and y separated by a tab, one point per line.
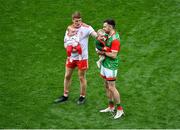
84	31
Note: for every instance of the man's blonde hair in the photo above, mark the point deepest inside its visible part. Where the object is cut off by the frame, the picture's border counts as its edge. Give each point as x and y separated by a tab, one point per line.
76	14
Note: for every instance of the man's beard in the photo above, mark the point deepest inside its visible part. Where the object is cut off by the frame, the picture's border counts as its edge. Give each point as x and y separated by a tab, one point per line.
107	32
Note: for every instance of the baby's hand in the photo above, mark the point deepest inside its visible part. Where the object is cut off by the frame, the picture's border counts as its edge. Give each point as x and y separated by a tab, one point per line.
101	52
74	50
99	38
75	44
107	49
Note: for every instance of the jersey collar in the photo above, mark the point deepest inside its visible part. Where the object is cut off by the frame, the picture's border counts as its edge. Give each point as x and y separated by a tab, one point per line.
112	34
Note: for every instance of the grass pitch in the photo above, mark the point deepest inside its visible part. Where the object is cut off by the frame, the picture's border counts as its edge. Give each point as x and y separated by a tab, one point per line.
32	59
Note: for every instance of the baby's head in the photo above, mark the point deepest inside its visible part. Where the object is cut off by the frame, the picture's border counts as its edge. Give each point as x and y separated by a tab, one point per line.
101	34
71	31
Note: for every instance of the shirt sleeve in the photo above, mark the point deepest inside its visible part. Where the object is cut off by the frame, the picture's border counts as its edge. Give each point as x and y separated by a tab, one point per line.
115	46
90	30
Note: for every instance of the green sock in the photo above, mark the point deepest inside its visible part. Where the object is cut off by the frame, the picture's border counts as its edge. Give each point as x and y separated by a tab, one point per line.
118	105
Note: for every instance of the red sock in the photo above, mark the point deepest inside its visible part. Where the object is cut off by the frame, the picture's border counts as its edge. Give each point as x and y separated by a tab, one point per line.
111	104
82	95
66	93
119	108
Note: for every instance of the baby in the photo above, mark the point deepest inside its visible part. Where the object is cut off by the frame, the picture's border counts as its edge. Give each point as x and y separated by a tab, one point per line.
101	45
71	42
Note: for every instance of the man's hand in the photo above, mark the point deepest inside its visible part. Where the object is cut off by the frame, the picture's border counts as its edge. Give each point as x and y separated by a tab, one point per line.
99	38
101	52
112	54
107	49
94	34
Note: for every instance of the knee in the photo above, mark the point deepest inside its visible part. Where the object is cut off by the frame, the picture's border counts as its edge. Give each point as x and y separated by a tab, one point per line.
111	88
67	77
82	78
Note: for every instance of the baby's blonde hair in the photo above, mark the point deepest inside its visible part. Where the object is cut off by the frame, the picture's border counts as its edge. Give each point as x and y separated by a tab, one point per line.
101	32
71	31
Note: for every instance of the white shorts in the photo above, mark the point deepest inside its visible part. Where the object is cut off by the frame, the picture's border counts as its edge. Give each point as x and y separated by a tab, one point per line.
108	74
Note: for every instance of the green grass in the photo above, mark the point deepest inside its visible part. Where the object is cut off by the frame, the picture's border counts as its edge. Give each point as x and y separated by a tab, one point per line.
32	61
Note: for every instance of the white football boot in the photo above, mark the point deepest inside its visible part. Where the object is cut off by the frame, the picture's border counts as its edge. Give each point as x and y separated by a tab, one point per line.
108	109
119	113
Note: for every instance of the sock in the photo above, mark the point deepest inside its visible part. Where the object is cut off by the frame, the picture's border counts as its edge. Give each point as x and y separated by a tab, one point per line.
119	107
111	103
82	95
66	93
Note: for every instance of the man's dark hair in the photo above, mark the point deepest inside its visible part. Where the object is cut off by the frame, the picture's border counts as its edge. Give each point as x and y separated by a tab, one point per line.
110	22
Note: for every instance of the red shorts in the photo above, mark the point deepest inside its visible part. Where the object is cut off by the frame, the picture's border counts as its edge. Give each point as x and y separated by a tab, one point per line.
81	64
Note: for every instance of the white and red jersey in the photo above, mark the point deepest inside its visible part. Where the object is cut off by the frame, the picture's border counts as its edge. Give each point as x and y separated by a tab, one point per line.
71	40
83	32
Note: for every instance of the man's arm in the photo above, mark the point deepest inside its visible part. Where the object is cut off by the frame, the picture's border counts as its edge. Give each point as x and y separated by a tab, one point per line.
112	54
94	34
115	48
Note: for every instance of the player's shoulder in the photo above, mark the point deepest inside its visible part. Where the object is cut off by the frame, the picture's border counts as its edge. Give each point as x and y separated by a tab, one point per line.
70	26
85	25
116	36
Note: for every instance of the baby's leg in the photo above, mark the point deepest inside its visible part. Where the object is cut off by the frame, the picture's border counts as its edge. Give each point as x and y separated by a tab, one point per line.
69	50
101	58
79	50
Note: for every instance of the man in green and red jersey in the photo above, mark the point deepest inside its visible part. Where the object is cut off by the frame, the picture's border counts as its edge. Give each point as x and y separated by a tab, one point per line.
109	67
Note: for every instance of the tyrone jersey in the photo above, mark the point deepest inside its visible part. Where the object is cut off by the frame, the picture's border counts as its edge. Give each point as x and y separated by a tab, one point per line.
71	40
83	32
